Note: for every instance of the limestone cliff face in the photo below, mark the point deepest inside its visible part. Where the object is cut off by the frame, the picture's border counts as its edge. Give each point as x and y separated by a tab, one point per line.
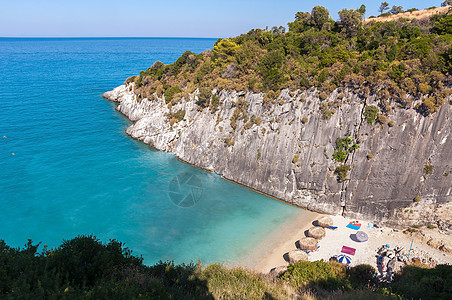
288	152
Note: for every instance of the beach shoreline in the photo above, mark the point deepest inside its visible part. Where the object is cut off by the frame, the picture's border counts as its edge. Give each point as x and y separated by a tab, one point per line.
269	254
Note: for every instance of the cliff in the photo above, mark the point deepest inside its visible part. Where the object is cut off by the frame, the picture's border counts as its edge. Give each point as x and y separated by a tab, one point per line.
400	174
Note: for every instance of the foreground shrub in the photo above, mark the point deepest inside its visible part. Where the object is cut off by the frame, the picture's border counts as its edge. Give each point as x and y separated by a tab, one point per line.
416	282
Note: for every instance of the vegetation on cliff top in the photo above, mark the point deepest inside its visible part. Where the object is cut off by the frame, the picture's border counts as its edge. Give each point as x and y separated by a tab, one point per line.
400	61
86	268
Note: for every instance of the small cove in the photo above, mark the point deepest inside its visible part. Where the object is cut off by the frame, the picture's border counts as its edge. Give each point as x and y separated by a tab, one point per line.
75	171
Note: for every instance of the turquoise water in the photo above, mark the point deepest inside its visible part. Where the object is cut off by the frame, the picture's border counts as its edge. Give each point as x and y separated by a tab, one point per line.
75	171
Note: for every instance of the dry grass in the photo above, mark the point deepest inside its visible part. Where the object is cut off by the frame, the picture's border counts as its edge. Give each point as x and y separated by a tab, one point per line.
419	14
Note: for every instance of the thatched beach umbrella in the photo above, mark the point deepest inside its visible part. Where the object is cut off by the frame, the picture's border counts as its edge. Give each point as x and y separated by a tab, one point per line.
325	221
297	255
308	243
316	232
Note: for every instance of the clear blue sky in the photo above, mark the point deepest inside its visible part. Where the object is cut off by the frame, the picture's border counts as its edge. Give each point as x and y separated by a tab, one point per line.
171	18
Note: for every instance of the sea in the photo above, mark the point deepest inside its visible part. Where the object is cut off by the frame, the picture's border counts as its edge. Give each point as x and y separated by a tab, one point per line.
67	168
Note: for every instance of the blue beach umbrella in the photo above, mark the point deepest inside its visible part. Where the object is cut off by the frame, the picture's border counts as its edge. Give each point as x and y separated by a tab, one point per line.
345	259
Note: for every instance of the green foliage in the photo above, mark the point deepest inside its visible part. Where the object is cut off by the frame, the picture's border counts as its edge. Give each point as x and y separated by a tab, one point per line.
179	115
170	92
317	275
384	6
416	282
344	146
269	68
428	169
444	25
320	15
86	268
342	172
204	96
224	50
239	283
396	10
350	21
389	59
371	114
296	158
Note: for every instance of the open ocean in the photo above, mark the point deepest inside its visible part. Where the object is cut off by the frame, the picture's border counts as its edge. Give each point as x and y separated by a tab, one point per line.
75	171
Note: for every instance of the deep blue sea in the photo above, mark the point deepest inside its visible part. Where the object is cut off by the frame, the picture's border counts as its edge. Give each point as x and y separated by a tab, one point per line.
75	171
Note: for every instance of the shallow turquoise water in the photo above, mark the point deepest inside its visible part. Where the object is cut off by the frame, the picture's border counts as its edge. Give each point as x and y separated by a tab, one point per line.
75	171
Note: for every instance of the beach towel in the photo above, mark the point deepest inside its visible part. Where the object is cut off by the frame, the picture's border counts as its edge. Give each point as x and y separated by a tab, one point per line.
348	250
354	225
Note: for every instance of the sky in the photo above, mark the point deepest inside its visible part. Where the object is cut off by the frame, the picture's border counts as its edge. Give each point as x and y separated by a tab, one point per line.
170	18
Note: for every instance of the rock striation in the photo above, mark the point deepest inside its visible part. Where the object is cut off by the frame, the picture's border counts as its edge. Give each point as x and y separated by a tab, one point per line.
287	151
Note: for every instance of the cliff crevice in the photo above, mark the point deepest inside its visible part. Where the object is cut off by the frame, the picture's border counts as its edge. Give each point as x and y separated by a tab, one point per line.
286	150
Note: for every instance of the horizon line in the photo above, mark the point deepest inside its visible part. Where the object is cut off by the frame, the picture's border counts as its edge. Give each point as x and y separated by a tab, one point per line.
105	37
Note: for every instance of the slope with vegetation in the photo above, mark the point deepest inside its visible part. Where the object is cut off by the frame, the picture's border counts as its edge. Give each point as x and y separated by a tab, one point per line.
266	109
86	268
399	61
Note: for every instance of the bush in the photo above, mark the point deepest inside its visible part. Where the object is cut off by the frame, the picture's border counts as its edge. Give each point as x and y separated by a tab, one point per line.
170	92
416	282
317	275
295	159
342	172
371	114
344	146
428	169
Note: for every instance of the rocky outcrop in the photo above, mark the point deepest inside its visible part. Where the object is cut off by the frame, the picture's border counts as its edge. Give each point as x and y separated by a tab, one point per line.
286	150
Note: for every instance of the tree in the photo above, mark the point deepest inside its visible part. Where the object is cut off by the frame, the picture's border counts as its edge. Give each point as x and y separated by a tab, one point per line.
384	6
446	3
350	21
362	11
396	10
320	16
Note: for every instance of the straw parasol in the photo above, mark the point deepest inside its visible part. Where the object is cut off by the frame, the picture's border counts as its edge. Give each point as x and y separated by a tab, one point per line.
325	221
297	255
316	232
308	243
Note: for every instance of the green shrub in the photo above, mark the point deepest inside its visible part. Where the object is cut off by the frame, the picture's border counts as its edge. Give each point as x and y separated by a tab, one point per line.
170	92
295	159
317	275
428	169
342	172
371	114
344	146
340	155
416	282
179	115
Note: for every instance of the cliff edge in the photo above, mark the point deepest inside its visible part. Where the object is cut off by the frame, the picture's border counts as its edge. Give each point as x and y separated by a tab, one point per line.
401	173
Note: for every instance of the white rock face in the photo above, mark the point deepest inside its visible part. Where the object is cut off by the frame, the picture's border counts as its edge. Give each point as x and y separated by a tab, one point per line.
262	154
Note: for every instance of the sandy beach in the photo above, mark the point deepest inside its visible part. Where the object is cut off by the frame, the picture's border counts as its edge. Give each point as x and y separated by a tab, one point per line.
270	253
